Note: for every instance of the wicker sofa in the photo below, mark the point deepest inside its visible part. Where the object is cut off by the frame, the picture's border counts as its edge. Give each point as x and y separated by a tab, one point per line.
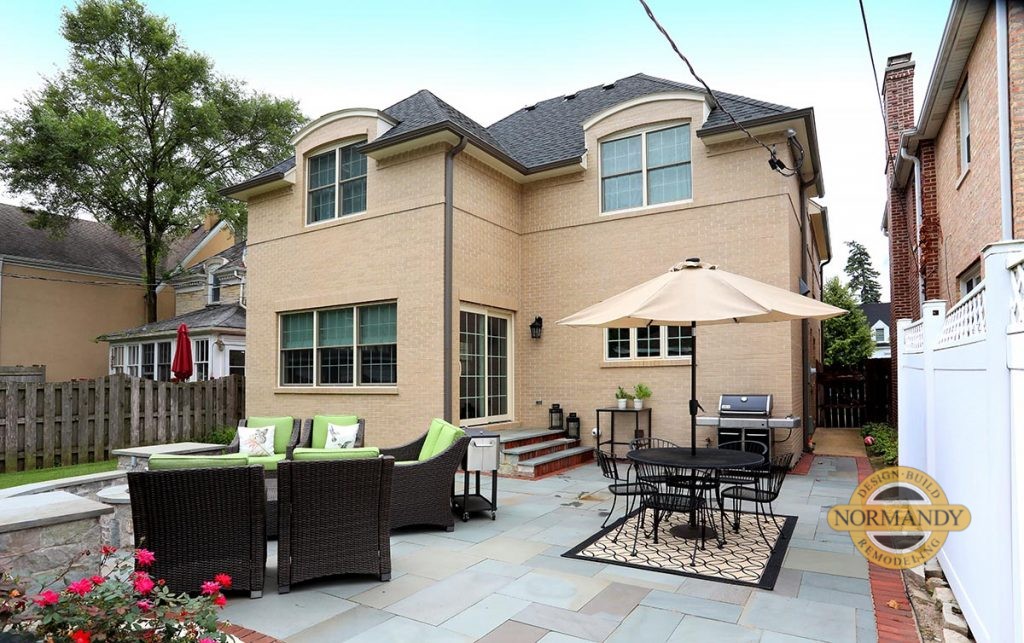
334	519
200	522
422	488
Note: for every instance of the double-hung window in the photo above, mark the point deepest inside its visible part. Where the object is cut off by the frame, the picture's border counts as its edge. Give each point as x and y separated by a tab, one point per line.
646	169
648	342
336	184
350	346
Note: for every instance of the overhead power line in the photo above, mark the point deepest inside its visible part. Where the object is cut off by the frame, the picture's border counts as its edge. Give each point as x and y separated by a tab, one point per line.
774	161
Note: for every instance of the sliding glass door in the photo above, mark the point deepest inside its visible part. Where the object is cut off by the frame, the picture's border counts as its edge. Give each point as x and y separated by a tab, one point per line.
485	357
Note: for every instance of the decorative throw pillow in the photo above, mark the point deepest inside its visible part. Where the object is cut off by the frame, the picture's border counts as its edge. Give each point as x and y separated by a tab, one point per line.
341	436
256	440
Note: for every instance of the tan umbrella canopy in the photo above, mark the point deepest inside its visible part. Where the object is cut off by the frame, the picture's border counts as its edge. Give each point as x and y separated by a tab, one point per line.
694	292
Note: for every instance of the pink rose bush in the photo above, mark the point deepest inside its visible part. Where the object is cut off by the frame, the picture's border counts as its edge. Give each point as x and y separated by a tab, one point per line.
120	603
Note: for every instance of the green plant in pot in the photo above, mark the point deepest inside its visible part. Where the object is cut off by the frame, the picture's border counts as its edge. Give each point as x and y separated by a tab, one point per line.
640	393
622	397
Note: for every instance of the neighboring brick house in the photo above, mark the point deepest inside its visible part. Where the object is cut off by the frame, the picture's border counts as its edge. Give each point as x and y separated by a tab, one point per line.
57	294
970	153
392	218
211	303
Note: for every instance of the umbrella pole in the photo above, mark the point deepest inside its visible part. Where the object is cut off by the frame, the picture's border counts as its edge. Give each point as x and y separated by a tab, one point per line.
693	389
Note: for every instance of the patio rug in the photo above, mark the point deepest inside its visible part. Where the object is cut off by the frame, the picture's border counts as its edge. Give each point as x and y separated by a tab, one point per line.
745	559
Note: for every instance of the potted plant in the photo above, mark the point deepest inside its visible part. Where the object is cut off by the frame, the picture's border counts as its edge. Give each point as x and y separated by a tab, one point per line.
621	396
640	393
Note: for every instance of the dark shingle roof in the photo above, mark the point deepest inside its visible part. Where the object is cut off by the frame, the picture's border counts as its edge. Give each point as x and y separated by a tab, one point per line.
87	244
875	312
548	133
215	316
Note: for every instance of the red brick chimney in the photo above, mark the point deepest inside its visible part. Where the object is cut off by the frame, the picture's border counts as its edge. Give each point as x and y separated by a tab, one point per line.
898	97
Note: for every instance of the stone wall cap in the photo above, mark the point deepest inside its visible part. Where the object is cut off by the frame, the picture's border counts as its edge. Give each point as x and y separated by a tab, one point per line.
175	448
50	508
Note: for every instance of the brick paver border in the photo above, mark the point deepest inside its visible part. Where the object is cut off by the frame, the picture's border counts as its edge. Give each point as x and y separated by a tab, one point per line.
893	624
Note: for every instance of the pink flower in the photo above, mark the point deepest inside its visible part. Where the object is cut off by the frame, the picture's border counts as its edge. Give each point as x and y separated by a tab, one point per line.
224	580
80	587
144	557
98	580
210	588
49	597
143	583
107	550
219	600
144	605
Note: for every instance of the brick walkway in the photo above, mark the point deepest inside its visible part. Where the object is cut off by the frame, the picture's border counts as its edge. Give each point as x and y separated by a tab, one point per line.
894	624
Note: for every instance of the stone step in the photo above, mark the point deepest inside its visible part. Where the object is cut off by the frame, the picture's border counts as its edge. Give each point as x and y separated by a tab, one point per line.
544	464
537	446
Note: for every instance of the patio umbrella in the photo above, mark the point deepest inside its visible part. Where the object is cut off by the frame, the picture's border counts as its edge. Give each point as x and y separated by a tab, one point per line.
694	292
181	367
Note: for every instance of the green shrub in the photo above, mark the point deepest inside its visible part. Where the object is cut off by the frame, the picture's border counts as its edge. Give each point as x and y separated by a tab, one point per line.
886	444
222	435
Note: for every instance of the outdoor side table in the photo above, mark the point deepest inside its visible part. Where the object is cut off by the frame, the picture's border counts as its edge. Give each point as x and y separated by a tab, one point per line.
637	433
482	455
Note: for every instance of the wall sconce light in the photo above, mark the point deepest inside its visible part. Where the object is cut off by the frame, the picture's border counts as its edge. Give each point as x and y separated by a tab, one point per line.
536	327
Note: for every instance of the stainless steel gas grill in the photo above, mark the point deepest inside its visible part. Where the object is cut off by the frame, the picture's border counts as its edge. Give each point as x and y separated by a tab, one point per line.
748	418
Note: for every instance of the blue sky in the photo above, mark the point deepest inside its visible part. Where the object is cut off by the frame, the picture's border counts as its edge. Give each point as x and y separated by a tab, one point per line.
489	58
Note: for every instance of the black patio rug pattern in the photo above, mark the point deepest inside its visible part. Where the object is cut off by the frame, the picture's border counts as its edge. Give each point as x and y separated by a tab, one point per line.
744	560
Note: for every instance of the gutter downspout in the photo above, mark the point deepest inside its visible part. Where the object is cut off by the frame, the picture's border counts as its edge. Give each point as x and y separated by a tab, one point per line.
1003	73
449	236
917	207
805	372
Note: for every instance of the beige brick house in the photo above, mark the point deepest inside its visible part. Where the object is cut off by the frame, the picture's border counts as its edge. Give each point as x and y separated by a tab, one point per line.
386	220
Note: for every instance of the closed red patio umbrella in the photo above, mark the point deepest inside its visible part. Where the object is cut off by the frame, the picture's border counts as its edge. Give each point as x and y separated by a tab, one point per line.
181	367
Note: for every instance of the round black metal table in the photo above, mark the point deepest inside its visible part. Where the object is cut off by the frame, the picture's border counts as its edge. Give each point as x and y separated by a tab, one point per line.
699	460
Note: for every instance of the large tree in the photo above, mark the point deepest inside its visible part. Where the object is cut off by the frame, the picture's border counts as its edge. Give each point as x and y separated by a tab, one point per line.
847	338
139	132
863	276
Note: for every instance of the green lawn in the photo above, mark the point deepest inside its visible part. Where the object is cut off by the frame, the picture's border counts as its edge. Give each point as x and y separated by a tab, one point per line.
42	475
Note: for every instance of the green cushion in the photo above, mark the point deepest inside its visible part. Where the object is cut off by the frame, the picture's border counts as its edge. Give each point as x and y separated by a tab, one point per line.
163	461
269	462
320	423
303	454
449	434
427	450
282	430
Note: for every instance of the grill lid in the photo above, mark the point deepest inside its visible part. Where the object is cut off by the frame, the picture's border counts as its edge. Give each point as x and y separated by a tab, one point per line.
745	405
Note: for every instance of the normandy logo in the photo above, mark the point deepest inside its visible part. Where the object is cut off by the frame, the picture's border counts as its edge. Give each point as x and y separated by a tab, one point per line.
899	517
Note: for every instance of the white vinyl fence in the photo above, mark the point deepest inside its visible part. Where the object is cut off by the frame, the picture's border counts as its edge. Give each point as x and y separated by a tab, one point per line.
961	419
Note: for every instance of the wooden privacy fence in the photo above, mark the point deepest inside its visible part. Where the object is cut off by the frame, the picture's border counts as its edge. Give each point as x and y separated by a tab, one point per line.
63	423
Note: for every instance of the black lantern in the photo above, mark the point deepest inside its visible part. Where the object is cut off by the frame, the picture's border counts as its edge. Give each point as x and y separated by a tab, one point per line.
572	426
555	417
535	328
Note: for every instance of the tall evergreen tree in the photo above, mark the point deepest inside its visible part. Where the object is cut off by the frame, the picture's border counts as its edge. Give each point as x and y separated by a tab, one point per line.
863	276
847	338
138	131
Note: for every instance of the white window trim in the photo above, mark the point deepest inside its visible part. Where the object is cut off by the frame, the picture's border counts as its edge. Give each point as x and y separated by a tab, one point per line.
335	147
510	316
964	100
642	132
662	349
355	349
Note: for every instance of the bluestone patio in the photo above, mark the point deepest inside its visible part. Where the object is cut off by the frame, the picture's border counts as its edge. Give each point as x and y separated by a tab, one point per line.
506	580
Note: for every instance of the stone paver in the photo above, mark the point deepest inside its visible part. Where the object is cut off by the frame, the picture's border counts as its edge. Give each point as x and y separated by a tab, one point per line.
506	581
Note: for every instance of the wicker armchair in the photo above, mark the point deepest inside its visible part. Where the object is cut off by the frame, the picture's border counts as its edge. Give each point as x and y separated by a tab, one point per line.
201	522
421	493
305	438
334	519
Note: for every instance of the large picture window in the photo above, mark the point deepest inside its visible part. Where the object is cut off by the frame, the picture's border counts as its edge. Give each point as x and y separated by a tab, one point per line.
649	342
336	184
646	169
351	346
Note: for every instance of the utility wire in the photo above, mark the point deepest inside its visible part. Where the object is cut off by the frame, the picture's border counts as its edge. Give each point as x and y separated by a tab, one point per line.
775	163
